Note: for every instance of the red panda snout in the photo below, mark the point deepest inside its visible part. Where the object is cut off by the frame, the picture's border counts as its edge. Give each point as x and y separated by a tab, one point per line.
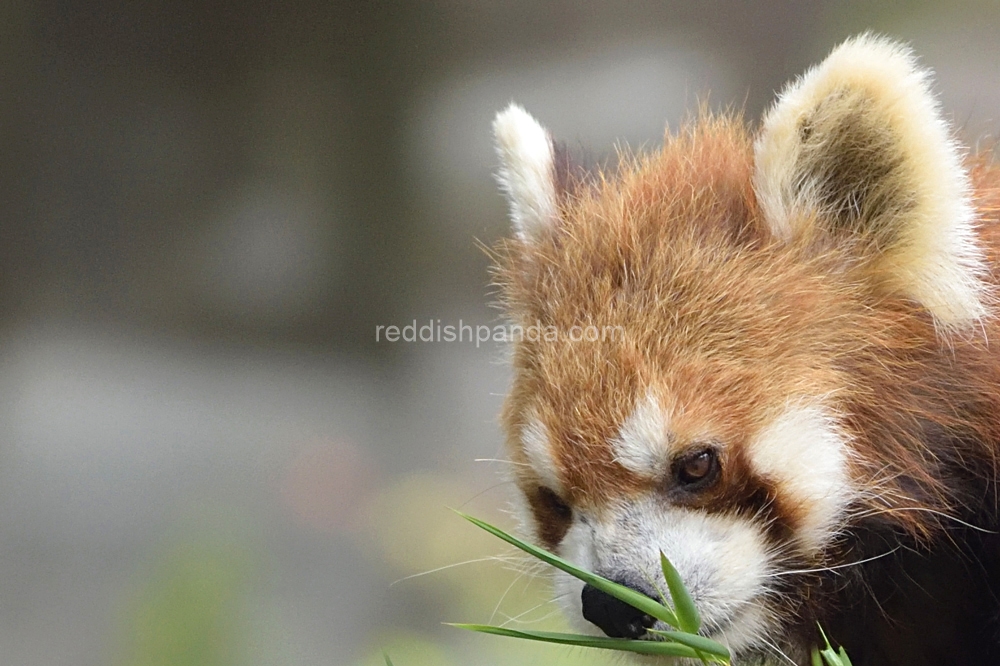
725	562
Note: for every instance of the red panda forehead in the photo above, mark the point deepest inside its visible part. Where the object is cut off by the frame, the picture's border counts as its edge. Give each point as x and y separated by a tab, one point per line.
700	178
658	215
694	305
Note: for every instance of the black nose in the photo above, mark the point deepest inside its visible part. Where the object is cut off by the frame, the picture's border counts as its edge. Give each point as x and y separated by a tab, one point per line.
615	618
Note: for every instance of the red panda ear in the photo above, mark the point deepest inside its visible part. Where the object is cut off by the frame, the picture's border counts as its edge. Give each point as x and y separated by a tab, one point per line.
527	172
857	148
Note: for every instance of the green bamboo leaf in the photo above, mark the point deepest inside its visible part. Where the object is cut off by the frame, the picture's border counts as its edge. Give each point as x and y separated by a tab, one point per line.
695	642
631	597
815	658
687	613
829	656
844	658
658	648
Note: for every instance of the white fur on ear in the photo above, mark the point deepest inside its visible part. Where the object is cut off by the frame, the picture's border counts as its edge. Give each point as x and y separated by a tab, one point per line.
526	171
907	188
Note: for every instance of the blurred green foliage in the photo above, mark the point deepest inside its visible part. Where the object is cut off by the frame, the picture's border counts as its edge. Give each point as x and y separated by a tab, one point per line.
192	611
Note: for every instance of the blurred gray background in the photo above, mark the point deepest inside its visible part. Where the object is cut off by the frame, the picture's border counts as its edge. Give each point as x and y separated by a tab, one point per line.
207	209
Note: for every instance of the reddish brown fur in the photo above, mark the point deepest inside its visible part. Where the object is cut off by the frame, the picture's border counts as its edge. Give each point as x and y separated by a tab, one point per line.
726	324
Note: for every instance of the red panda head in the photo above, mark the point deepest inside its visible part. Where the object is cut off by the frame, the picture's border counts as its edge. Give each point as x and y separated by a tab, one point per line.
734	338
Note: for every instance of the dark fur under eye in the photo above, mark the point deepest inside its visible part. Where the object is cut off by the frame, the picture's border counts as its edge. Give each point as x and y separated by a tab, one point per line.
553	515
697	469
554	503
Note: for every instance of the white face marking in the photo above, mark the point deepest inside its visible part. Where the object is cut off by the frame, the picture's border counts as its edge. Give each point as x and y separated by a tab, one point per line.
723	560
642	444
536	445
807	453
526	171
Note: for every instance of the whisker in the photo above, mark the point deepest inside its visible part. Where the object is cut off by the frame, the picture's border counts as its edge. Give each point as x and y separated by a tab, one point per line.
503	596
483	492
501	460
517	617
491	558
942	514
543	618
778	574
777	650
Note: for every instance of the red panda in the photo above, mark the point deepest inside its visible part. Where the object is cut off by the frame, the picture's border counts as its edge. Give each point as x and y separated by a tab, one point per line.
802	409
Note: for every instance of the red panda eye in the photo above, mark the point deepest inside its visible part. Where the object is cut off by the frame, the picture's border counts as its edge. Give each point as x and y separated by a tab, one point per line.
554	504
700	467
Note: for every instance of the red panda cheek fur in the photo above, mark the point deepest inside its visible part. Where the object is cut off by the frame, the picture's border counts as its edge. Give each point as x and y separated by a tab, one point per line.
724	316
